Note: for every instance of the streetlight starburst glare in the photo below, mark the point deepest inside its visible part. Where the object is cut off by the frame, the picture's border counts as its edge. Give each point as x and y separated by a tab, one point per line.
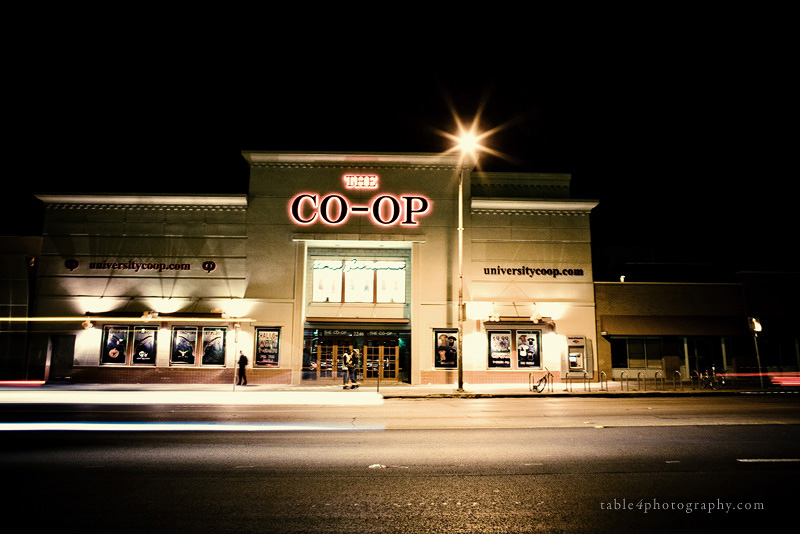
469	141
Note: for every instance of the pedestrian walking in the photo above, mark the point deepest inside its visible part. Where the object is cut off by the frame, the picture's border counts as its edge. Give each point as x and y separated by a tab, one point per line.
242	381
349	366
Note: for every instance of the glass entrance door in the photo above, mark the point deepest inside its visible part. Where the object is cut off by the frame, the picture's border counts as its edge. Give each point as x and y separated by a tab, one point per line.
329	358
380	359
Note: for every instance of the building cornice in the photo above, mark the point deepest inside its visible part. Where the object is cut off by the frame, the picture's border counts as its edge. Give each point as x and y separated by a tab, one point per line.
531	206
168	202
354	161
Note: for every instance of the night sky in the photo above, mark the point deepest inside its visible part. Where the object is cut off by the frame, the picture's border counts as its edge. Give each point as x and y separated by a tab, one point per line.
681	146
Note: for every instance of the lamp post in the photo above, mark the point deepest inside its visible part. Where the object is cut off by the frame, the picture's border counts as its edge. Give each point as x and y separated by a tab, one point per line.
468	144
460	355
755	328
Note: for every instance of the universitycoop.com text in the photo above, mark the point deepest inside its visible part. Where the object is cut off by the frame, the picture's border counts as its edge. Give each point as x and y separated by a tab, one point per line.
645	506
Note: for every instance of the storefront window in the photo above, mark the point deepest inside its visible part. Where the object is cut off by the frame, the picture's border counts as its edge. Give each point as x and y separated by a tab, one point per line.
636	353
327	281
359	281
128	345
391	281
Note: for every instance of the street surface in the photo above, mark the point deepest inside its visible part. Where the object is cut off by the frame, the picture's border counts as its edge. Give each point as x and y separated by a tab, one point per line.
427	465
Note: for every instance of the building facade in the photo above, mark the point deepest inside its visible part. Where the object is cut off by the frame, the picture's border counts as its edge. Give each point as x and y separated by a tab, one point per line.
416	260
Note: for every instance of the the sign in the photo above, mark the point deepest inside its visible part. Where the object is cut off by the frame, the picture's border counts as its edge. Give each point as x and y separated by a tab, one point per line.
360	181
334	209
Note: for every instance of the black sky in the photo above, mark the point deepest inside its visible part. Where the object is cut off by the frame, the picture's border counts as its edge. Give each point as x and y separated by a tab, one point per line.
680	139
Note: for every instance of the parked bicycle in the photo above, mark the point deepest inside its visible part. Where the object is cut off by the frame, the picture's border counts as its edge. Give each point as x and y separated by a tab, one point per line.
712	380
540	384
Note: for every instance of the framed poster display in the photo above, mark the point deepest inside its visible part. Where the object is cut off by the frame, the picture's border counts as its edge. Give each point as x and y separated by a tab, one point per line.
445	348
500	349
528	349
267	345
184	345
144	345
115	345
214	345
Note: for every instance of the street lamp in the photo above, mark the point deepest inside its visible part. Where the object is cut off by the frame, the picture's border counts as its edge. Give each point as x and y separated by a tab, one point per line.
468	144
755	328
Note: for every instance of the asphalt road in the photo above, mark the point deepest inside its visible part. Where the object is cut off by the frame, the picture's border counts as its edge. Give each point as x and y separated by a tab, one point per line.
436	465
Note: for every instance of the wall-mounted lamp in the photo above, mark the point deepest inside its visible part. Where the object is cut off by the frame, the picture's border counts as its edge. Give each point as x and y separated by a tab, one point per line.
87	325
535	315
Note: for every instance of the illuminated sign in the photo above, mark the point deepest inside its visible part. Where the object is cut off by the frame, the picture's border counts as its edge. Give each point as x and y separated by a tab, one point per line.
360	181
334	209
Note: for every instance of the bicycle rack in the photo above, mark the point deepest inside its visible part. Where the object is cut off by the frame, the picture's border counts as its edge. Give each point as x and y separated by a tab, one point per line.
659	376
680	381
548	375
567	382
640	376
692	376
587	385
623	379
603	380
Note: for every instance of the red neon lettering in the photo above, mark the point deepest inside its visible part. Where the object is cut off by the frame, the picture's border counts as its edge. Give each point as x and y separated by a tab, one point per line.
360	181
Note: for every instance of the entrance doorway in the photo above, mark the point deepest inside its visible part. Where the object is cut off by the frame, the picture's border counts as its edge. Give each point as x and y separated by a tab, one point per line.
330	354
379	359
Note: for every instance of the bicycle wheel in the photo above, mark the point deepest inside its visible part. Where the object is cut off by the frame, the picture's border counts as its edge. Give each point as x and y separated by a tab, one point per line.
540	385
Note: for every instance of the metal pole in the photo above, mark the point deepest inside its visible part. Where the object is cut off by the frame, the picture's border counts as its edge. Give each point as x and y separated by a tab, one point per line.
235	356
758	359
460	357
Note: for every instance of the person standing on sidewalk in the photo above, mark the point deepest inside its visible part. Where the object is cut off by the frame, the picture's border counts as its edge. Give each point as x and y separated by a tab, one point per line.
347	361
354	361
242	381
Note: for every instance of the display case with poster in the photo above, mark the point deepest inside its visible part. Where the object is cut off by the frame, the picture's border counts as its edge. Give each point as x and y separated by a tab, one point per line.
115	345
267	346
445	346
214	345
500	349
184	345
144	345
528	353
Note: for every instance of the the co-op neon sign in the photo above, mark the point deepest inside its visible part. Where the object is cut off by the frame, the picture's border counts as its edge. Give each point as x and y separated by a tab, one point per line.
334	209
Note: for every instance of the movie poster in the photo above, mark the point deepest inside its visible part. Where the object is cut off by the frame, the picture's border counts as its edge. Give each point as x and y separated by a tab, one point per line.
184	345
214	345
267	347
115	345
445	349
144	345
528	354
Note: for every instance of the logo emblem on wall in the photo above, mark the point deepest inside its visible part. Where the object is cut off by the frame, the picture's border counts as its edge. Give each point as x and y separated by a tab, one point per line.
209	266
71	264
